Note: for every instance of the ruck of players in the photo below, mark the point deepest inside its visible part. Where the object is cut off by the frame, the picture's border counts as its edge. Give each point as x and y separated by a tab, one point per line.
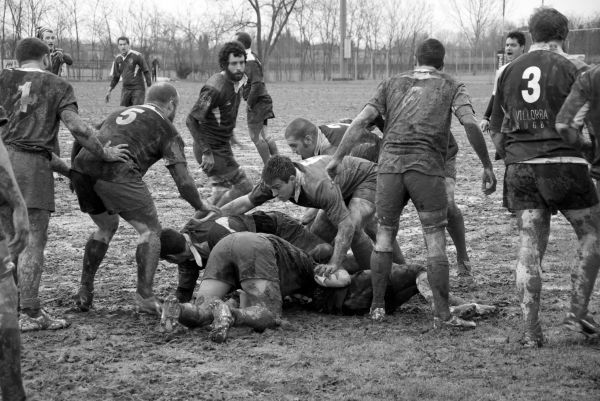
235	265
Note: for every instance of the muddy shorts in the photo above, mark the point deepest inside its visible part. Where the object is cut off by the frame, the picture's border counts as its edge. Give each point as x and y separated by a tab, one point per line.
450	168
367	189
554	186
427	192
259	114
132	97
242	256
98	196
34	176
368	151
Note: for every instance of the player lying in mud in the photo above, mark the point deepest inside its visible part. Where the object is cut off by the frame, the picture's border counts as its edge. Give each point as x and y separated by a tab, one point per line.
267	269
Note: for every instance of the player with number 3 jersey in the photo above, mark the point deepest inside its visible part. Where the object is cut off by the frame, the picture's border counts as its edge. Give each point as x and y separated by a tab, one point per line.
107	191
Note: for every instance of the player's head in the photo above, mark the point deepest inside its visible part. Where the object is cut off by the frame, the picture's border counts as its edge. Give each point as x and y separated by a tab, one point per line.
173	246
301	136
232	60
548	25
279	174
431	53
31	49
123	44
164	95
515	45
47	35
244	38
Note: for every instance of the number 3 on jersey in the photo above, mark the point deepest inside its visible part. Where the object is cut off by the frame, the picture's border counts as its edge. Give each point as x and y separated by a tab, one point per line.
128	116
532	75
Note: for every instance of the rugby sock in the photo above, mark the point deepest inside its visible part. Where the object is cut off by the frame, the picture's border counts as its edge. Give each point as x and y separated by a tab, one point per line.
195	315
257	317
583	278
456	229
146	256
10	344
92	257
438	277
188	273
381	266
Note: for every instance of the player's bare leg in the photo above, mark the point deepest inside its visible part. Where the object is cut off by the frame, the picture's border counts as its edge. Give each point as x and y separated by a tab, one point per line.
361	211
371	231
256	135
11	384
95	250
269	140
241	186
456	229
534	226
586	223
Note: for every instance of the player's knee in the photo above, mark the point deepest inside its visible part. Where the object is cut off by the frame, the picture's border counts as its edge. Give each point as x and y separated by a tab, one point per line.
435	221
385	239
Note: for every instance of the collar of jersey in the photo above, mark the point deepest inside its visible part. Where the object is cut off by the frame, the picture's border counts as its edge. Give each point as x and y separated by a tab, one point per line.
249	55
545	46
322	144
193	249
154	108
299	183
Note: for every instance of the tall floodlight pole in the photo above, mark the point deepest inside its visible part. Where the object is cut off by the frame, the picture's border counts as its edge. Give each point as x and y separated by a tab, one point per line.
342	38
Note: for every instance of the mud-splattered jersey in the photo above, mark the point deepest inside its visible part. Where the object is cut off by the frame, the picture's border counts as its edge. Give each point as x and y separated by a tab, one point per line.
33	100
216	110
530	94
417	107
57	59
133	69
150	137
296	268
367	148
315	189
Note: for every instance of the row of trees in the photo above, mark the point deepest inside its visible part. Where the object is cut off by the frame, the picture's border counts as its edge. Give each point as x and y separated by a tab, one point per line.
300	36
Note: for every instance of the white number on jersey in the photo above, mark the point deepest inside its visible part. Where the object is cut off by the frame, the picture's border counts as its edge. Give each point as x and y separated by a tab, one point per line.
25	100
128	116
532	75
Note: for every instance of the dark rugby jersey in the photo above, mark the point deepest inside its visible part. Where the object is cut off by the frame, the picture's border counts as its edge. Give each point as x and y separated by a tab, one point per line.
582	103
133	68
367	148
417	107
255	90
315	188
530	93
150	137
57	59
33	100
216	110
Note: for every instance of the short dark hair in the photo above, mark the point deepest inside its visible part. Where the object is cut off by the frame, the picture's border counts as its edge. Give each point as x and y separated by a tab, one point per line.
518	35
125	38
162	92
300	128
278	167
431	52
30	49
233	47
171	242
244	38
548	24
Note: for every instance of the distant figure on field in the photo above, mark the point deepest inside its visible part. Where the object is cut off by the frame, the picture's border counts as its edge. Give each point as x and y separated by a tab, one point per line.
132	67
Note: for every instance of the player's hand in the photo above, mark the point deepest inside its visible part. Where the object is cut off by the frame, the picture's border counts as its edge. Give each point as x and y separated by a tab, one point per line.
325	269
333	167
488	181
208	162
107	97
484	125
234	142
118	153
21	224
212	215
59	55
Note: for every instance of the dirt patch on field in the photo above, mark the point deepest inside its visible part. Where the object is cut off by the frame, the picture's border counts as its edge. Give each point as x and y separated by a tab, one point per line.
111	353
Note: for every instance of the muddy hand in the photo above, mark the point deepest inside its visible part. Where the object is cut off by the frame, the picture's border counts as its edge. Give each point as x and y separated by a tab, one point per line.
118	153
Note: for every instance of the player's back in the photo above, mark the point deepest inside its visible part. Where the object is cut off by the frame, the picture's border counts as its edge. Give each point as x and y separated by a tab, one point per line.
531	91
34	100
367	148
149	135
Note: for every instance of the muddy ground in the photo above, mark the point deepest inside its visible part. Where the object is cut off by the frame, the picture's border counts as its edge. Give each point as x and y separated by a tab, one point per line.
111	353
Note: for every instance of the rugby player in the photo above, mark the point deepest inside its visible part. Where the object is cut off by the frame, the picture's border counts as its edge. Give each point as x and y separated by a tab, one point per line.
545	173
109	190
417	107
268	269
57	56
259	102
133	68
211	122
36	101
347	203
11	385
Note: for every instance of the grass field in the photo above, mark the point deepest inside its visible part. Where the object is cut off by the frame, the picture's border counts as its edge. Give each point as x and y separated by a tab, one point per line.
111	353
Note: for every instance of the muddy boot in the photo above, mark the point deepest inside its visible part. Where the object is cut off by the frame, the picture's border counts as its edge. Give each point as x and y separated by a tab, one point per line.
150	305
257	317
40	320
586	325
92	257
463	268
453	323
223	320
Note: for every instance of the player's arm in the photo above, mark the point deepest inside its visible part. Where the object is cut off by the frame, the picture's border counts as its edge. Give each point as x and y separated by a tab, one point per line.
116	75
574	110
259	195
255	80
146	71
59	166
67	59
86	136
485	122
10	193
352	137
197	116
187	187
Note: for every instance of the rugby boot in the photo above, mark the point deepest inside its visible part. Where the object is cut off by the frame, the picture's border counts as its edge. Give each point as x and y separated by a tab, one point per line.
463	268
149	305
586	325
453	323
171	310
470	310
84	299
533	337
43	321
377	314
222	321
